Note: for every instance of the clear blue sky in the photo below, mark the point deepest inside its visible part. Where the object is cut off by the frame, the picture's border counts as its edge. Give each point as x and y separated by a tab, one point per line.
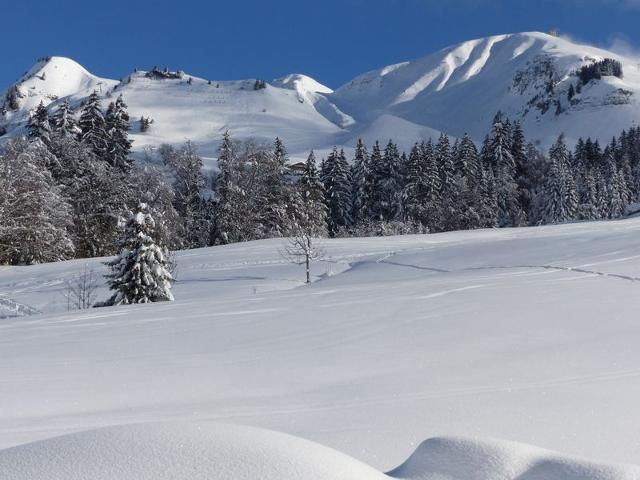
331	40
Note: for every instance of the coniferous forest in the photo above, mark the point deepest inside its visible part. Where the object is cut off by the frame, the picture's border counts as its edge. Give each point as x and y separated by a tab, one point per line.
68	187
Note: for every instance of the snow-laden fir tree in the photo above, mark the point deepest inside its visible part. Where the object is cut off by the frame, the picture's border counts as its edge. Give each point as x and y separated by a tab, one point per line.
93	128
140	272
413	196
117	127
432	189
501	159
159	195
311	215
98	195
450	186
38	126
386	188
361	180
63	121
337	184
276	199
186	166
233	205
560	196
588	196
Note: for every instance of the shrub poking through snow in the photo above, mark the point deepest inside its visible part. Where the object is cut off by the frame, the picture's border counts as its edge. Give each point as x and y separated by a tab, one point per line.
140	272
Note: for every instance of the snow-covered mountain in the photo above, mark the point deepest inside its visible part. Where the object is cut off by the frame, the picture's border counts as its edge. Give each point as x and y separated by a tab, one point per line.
527	76
458	89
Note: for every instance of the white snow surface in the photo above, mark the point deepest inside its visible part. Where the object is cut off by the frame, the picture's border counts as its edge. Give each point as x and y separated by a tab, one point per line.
455	90
529	335
210	451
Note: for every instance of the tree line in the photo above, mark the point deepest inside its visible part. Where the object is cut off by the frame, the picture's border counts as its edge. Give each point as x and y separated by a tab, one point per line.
67	188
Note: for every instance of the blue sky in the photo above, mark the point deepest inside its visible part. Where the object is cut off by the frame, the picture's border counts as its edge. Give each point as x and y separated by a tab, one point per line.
331	40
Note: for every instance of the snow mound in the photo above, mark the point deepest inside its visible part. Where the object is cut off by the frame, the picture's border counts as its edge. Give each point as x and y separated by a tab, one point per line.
180	451
473	459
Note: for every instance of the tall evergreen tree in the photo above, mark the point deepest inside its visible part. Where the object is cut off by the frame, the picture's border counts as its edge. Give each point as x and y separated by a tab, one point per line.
360	177
413	197
337	185
561	202
117	129
140	272
312	210
39	126
63	121
93	127
499	151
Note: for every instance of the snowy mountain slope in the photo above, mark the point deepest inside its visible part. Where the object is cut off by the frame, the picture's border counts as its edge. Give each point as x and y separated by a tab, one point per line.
455	90
460	88
527	334
191	108
51	80
193	451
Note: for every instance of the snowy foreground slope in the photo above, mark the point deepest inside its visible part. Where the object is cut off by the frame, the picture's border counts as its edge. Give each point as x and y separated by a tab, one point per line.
530	335
456	90
205	451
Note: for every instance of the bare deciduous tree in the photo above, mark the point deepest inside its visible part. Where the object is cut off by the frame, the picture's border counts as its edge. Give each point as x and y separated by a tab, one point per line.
302	249
80	291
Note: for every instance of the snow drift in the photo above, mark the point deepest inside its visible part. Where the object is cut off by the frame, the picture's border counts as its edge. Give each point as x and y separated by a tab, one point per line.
179	452
476	459
207	451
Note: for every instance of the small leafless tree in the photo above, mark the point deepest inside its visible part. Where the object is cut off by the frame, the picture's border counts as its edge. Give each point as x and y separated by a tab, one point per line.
80	291
172	263
302	249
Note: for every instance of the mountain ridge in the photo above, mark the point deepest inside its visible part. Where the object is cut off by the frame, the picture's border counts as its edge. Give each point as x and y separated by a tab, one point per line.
456	90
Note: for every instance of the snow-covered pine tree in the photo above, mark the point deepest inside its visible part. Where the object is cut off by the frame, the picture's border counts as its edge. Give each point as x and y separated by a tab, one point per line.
188	184
499	151
588	195
159	195
450	196
276	205
38	126
140	272
35	216
413	196
560	196
469	165
376	165
337	184
433	189
117	127
387	184
93	129
312	210
518	152
360	177
488	210
63	121
231	198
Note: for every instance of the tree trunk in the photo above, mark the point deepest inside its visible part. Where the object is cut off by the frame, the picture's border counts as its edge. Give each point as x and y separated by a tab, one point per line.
308	272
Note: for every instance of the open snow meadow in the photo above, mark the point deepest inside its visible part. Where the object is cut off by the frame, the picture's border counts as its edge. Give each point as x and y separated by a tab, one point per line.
527	335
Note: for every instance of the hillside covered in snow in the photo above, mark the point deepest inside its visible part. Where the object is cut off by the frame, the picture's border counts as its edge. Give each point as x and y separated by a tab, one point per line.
526	334
531	77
